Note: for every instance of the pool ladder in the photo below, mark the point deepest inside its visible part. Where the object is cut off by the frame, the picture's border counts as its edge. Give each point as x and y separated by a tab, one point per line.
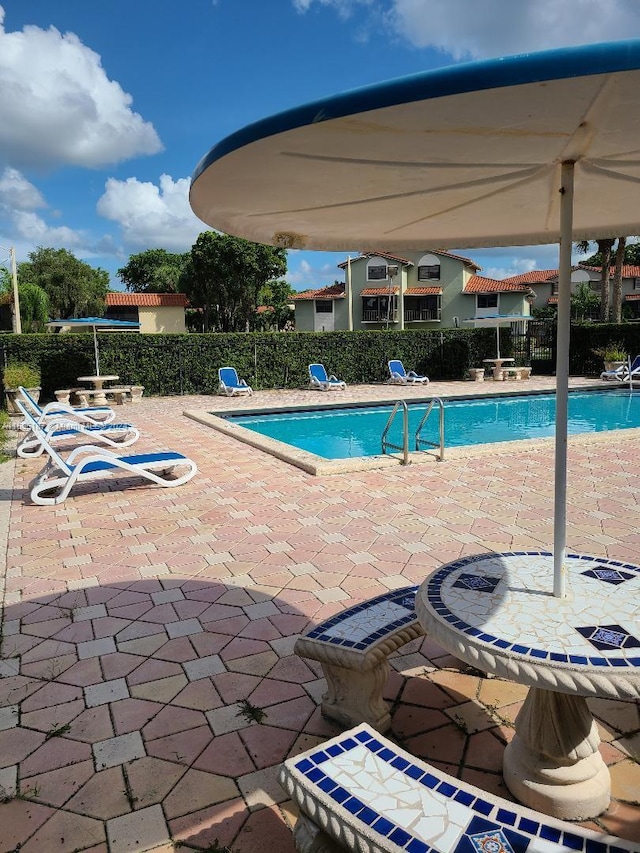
419	441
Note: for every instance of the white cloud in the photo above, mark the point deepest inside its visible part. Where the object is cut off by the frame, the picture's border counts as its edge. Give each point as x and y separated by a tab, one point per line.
150	215
344	8
16	192
59	107
303	275
470	29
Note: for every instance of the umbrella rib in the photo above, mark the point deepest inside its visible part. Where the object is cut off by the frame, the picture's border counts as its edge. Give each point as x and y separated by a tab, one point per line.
410	164
514	178
610	173
467	203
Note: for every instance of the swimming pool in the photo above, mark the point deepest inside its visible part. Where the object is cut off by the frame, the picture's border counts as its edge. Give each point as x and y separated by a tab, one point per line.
345	433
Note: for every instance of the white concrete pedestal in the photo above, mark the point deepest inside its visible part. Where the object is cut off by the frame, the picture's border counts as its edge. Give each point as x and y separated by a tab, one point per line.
553	764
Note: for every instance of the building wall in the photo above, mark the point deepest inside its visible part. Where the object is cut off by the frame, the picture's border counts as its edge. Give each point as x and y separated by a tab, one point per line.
162	319
304	312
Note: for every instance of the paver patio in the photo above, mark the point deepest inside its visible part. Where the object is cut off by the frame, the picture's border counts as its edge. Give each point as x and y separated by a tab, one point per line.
148	687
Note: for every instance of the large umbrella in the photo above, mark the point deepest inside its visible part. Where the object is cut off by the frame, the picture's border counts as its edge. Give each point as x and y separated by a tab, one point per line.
478	154
498	320
95	323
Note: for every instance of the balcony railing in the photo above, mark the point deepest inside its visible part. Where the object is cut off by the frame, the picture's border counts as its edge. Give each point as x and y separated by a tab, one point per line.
379	317
422	315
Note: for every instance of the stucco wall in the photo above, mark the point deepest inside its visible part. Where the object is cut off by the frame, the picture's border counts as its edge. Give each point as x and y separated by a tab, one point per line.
164	319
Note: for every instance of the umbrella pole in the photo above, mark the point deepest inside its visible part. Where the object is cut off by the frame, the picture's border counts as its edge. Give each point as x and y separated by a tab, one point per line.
498	338
95	350
562	381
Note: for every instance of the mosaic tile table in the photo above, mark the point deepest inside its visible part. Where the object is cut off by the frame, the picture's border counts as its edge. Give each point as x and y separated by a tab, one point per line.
497	612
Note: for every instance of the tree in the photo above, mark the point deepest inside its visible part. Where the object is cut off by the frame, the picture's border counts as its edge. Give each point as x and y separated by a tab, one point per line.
277	296
616	308
224	277
605	247
74	288
583	301
34	303
153	271
631	254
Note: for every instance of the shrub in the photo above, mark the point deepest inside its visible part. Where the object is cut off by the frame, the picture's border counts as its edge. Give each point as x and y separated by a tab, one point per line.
20	373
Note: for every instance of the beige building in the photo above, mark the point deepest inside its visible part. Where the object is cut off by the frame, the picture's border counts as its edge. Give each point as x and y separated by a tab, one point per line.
431	289
156	312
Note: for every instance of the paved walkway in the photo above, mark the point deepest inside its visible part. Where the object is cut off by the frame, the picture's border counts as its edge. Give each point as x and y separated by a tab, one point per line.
148	689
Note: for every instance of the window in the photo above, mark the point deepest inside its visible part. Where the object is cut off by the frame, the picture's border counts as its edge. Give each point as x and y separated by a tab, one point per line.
636	284
324	306
487	300
429	272
555	288
375	309
376	273
420	309
122	312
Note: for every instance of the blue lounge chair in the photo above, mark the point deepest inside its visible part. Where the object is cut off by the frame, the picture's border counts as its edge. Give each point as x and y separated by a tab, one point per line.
83	414
87	462
319	380
230	385
625	373
399	376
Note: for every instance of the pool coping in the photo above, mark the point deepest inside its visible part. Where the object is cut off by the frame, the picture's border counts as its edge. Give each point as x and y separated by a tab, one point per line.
318	466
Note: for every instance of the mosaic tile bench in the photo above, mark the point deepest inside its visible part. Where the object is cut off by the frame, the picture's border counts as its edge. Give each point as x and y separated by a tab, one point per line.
361	792
353	647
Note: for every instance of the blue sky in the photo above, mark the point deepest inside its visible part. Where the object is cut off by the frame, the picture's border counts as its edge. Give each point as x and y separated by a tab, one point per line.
108	107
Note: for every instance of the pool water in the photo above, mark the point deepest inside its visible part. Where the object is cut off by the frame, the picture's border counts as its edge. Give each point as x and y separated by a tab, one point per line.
352	432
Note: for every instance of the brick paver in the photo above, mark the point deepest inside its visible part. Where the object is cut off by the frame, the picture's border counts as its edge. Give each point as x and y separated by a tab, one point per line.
148	687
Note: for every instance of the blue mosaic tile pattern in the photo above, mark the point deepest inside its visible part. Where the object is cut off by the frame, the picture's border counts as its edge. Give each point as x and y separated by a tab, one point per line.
361	626
422	810
505	600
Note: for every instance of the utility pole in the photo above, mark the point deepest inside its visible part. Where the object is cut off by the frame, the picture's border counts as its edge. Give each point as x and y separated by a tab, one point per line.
17	324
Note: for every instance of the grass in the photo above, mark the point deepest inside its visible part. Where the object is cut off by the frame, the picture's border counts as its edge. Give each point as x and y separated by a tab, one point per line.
5	421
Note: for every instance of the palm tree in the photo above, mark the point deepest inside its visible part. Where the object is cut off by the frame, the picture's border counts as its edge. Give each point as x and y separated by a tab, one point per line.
605	246
617	280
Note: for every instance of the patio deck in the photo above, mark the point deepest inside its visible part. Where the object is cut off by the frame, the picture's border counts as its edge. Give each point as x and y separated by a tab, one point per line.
148	689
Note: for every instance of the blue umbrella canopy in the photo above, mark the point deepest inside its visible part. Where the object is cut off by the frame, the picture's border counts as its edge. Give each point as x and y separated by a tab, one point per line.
95	323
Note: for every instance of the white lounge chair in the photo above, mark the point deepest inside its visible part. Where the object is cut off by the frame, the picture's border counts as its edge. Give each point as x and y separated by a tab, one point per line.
399	376
624	373
319	380
87	462
230	385
62	429
83	414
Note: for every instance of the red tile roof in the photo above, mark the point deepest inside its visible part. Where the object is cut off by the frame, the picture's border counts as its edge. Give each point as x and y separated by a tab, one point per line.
480	284
628	270
405	262
146	300
532	277
366	255
632	297
333	291
552	300
538	276
379	291
423	291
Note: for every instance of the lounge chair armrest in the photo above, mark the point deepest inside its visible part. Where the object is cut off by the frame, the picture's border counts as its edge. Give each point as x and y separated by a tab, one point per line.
89	448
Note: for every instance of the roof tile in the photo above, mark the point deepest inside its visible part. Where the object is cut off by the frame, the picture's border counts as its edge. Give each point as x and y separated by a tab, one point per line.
146	300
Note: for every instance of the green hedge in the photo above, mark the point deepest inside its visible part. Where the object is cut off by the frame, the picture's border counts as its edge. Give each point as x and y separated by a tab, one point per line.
188	364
